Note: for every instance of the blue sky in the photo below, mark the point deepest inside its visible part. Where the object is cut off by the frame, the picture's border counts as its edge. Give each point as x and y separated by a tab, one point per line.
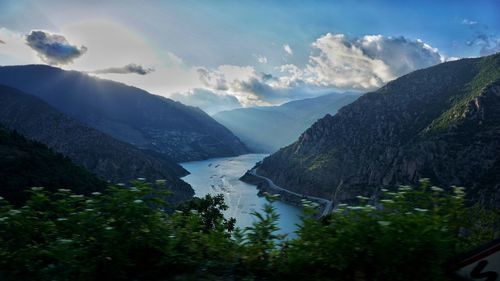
189	35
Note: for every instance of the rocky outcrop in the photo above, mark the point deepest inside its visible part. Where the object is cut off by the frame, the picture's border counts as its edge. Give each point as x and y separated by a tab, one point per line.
129	114
442	123
107	157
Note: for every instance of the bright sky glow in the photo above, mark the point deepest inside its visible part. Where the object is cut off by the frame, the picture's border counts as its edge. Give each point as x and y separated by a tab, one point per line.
226	54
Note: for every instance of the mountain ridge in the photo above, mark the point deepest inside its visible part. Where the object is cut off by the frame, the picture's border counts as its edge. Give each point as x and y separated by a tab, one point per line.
107	157
268	128
127	113
388	137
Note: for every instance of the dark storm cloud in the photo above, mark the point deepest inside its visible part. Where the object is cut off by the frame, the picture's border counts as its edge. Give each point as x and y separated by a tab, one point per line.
129	68
53	48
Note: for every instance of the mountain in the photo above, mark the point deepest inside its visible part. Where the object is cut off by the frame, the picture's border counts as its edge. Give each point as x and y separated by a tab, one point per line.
266	129
441	123
127	113
107	157
25	164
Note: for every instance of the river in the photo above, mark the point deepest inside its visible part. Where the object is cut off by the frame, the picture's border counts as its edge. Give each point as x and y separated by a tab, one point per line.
221	175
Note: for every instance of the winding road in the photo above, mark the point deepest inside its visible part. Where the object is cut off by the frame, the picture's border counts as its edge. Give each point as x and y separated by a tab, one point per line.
328	203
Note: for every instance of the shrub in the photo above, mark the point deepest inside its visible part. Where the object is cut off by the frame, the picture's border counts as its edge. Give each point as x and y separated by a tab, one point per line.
125	234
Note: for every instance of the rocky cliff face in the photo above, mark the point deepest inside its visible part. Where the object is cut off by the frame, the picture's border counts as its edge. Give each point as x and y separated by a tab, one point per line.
126	113
107	157
442	123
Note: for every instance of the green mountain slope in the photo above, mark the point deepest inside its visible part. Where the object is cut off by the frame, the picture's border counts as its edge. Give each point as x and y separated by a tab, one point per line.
25	164
441	123
107	157
129	114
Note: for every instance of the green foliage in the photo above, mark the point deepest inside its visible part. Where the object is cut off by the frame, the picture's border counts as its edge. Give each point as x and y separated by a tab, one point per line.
258	244
407	237
125	234
488	72
210	210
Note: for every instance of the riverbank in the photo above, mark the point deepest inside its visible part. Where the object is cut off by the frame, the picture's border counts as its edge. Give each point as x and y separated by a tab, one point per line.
266	185
221	176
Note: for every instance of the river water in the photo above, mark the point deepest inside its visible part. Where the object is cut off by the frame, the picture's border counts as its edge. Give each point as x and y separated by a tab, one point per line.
221	175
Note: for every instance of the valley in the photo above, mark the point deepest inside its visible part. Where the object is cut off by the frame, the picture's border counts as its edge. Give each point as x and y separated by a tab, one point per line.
438	123
269	128
249	140
221	176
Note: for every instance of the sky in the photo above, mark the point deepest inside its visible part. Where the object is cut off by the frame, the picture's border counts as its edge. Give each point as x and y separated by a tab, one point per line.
220	55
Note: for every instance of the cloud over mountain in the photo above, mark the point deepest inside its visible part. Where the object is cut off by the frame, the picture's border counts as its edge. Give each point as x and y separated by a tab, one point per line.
366	63
212	79
53	48
487	42
207	100
336	62
129	68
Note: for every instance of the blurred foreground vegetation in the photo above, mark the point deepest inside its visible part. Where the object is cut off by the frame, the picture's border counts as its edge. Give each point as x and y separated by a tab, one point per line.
125	234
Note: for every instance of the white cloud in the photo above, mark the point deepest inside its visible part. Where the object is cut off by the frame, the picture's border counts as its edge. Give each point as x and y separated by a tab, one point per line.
365	63
226	78
452	58
232	79
235	72
288	49
212	79
258	91
335	62
488	43
469	22
402	55
261	59
211	102
291	76
252	88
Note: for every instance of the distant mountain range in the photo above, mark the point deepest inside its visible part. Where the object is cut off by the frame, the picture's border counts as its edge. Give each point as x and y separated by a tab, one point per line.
441	123
107	157
180	132
266	129
25	164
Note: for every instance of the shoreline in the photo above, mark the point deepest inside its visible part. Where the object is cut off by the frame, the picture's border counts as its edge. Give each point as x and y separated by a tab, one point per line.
221	176
264	184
